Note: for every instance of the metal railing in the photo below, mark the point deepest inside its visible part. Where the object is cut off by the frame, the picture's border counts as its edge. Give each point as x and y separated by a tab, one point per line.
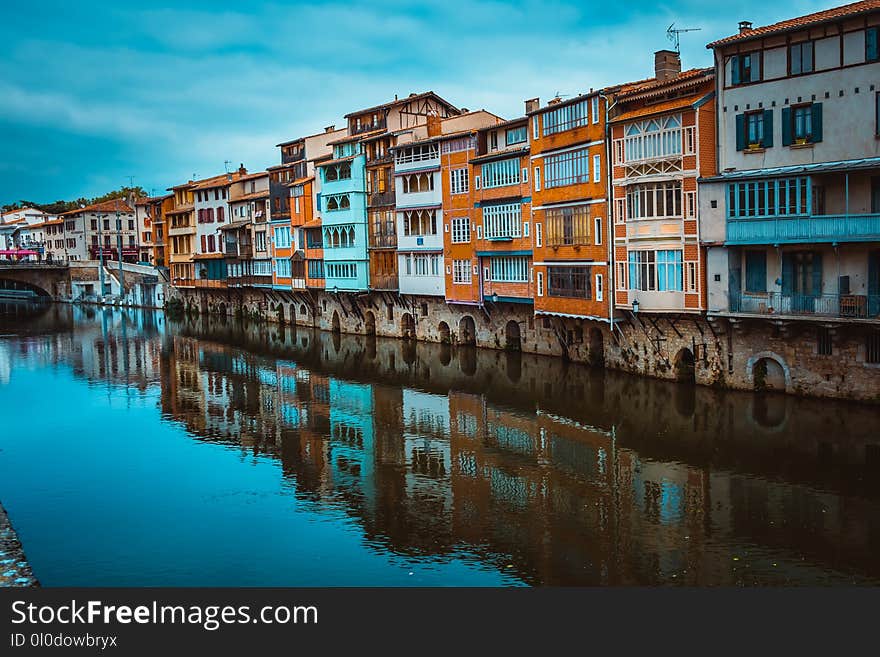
819	228
856	306
383	240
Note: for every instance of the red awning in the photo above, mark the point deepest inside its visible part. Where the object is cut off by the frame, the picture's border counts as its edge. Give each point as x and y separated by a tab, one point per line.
18	252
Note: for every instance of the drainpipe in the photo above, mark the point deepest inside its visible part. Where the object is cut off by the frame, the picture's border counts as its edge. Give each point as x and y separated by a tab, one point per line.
609	212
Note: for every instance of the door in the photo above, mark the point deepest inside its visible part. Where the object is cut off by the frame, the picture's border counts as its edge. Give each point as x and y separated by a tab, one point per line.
802	279
875	195
874	283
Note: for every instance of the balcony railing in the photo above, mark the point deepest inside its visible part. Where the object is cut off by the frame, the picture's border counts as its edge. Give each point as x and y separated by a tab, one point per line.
243	281
367	127
852	306
234	250
384	281
381	199
816	228
210	283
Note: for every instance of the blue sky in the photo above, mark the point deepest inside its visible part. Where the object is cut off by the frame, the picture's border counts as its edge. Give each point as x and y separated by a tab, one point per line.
94	92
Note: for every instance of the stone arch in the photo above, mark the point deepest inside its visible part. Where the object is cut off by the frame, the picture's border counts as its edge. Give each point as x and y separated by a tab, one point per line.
767	370
512	336
467	330
597	347
684	366
280	310
370	323
408	326
335	325
24	289
221	308
445	333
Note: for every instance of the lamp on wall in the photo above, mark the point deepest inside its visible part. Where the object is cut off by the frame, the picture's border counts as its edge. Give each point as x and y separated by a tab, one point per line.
494	297
635	306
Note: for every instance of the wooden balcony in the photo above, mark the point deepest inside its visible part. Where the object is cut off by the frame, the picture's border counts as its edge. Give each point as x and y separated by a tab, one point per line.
210	283
805	229
384	282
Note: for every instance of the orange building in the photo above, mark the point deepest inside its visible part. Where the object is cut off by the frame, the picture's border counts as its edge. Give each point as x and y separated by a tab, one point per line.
663	140
502	213
569	209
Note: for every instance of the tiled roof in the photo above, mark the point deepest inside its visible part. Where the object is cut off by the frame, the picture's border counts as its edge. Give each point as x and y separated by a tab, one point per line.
105	206
657	108
846	11
401	101
501	154
250	197
653	86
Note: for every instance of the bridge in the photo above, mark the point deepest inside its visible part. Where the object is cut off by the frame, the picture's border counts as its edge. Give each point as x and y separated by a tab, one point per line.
29	280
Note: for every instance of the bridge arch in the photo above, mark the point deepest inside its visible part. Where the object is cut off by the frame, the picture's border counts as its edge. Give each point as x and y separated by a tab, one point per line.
13	288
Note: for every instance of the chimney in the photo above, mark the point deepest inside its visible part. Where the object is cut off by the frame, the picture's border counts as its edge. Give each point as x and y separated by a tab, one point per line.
241	170
532	104
745	26
433	125
330	128
667	64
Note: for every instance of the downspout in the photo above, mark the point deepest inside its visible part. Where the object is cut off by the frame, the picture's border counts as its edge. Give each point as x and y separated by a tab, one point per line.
609	212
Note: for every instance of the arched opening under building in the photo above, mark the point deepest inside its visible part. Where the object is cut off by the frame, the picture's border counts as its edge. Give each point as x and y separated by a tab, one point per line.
512	336
221	309
444	331
768	374
370	323
685	367
597	348
280	313
467	331
408	326
335	325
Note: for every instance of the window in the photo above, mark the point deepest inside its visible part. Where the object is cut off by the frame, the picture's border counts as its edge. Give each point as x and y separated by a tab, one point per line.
691	276
652	139
420	153
800	58
282	267
621	276
690	138
597	229
461	230
872	51
315	268
422	264
755	128
204	243
600	287
509	269
655	271
877	113
768	198
537	179
339	237
802	124
540	283
457	145
282	237
338	202
539	235
653	200
823	341
745	68
568	168
525	175
341	270
94	224
500	173
418	182
419	222
502	221
262	267
568	226
565	118
212	246
595	109
597	168
525	230
756	271
461	272
872	347
569	282
690	202
516	135
458	179
620	210
535	127
220	213
493	138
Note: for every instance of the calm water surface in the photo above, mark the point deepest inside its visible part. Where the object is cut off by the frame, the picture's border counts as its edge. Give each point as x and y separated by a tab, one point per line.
139	451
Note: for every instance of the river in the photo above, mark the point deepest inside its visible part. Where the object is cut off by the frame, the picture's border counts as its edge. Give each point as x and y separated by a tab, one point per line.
137	451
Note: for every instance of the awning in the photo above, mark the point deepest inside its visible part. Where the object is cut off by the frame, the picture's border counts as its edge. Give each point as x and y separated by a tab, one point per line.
817	167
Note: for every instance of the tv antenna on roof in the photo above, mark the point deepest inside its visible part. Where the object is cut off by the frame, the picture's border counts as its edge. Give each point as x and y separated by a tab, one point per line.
674	34
226	164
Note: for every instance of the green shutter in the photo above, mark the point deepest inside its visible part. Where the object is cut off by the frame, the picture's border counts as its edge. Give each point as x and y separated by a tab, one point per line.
740	132
787	274
817	123
872	53
786	126
768	128
817	273
734	69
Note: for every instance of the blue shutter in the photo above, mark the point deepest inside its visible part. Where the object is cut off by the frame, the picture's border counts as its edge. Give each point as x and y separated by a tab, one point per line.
756	271
734	69
787	274
817	123
786	126
740	132
817	273
872	52
768	129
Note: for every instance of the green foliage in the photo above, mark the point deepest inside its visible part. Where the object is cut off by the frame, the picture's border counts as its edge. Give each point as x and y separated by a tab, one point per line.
60	206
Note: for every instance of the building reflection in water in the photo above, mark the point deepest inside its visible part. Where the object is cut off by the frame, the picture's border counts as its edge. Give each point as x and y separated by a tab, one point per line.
559	474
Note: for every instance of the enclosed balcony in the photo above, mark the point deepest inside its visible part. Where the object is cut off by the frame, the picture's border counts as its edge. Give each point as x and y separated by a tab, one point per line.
836	203
842	306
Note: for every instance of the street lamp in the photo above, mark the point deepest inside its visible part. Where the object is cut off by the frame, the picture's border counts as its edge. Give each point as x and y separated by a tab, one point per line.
100	247
494	297
635	306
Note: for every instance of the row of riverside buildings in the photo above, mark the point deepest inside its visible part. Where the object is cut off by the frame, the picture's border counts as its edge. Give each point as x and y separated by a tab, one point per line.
720	225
